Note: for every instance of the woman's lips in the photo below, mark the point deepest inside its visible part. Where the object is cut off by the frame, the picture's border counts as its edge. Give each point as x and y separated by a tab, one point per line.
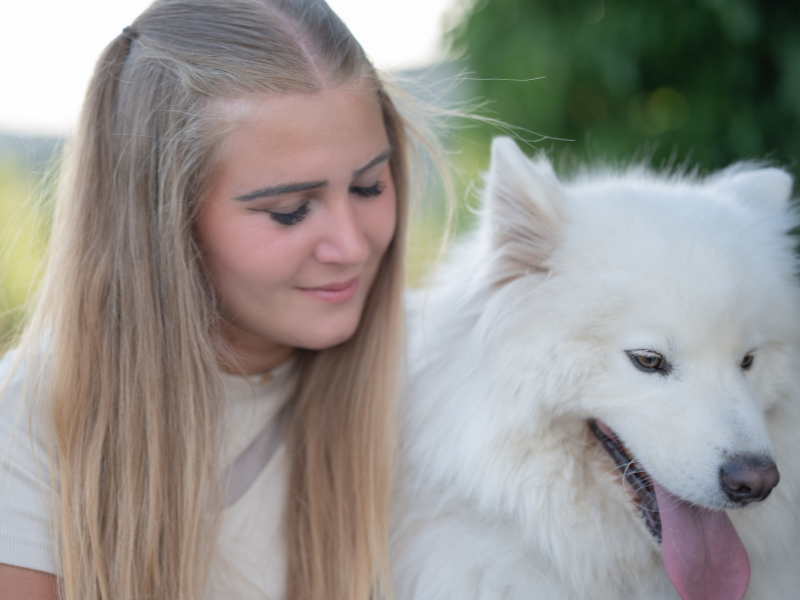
333	293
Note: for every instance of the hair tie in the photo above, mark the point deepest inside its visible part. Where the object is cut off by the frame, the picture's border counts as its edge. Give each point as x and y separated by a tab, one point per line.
130	33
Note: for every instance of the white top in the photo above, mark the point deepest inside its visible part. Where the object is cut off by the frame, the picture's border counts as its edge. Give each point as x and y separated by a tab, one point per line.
250	560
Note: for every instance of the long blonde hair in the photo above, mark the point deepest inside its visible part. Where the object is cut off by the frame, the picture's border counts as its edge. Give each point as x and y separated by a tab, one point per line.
129	319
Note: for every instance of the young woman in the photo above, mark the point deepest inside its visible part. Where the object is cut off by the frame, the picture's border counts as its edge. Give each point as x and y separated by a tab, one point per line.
203	402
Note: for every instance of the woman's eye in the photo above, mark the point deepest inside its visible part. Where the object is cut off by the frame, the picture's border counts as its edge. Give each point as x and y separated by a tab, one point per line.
747	361
368	192
292	218
648	361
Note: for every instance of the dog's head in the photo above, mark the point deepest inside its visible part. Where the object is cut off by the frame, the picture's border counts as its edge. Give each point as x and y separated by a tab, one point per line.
662	310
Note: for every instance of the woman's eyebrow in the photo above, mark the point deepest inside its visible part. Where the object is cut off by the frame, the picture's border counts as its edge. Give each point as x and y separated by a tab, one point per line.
375	161
277	190
289	188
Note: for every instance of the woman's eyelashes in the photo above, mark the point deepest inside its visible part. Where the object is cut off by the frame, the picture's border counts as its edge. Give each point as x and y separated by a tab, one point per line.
369	192
297	215
292	218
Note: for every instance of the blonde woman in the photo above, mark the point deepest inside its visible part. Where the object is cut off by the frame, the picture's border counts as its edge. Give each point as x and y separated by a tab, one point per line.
202	405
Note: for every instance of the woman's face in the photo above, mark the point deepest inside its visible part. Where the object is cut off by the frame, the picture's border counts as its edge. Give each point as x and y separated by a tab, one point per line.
299	213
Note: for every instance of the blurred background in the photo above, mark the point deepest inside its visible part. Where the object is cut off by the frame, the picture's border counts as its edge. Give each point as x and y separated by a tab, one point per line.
674	83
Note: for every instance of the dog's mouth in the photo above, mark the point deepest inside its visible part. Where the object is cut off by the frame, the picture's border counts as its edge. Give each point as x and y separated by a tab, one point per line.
700	547
639	484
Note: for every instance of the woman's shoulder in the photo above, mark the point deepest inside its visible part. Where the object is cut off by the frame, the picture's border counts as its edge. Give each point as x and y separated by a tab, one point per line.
14	371
21	374
7	364
25	502
21	402
22	410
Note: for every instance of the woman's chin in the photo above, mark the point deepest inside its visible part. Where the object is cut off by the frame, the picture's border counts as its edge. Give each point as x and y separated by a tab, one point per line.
326	340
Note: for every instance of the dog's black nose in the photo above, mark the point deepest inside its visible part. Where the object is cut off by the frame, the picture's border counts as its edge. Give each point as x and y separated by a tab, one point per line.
747	479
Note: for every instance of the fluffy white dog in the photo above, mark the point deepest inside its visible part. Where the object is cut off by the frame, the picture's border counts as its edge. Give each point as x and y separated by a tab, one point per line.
604	389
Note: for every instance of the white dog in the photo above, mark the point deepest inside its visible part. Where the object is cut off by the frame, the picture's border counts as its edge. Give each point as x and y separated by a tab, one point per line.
600	382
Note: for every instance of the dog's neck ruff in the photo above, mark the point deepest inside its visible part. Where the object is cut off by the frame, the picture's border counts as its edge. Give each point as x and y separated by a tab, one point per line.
703	555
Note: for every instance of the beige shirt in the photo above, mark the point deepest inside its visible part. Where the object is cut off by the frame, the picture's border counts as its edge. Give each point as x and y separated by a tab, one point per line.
250	560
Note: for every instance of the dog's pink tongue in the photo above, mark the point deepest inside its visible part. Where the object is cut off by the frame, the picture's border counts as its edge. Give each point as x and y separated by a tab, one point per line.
703	555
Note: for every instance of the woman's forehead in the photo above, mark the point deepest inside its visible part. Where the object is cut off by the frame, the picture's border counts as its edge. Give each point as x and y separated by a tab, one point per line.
273	138
246	107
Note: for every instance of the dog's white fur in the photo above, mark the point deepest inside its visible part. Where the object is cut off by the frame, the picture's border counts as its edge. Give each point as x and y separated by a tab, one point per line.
505	493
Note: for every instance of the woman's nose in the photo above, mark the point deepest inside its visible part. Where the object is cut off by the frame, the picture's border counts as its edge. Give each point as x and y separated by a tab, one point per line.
343	240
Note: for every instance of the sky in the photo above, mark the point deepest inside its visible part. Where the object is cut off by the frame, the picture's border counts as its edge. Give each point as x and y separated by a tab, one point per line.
48	49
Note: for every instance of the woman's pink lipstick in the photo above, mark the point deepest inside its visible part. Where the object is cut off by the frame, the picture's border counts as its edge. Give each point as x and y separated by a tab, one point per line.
333	293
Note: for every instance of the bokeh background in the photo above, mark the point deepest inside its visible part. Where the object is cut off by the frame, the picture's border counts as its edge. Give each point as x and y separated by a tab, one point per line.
677	84
705	82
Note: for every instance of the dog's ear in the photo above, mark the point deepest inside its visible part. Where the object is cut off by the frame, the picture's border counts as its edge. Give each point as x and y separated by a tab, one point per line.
758	187
522	202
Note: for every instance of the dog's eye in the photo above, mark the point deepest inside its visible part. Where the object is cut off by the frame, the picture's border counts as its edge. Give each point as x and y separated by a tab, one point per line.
747	361
648	361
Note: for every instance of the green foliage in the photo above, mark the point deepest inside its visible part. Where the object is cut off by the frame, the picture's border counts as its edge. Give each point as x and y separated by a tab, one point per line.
701	81
24	227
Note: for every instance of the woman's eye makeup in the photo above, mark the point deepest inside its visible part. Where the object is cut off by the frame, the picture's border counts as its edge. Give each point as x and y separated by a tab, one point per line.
300	213
368	192
291	218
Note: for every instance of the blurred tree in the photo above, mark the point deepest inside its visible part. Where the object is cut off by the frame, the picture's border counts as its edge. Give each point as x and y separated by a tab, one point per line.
706	81
24	228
